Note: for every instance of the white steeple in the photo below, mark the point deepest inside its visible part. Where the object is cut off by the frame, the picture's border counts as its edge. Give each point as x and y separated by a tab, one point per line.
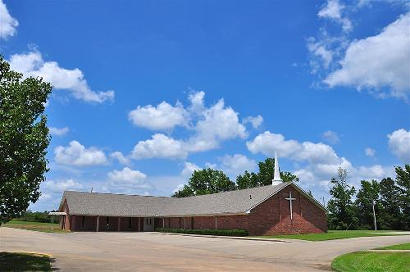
276	177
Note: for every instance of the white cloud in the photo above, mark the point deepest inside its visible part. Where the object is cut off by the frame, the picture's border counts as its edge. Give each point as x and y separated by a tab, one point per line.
370	152
58	131
78	155
331	137
318	49
32	64
189	168
256	121
8	24
219	123
127	175
120	158
333	10
162	117
378	61
268	143
236	164
210	126
159	146
399	143
197	102
58	186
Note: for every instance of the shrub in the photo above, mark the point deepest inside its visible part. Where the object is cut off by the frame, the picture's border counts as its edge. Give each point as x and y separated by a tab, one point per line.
219	232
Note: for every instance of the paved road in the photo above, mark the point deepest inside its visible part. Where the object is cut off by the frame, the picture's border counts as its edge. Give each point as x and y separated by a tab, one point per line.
166	252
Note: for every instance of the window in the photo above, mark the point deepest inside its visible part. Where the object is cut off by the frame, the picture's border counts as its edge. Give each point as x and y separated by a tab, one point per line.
108	220
83	222
129	223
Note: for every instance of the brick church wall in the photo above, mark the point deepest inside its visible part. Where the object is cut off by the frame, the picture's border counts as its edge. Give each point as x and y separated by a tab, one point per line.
270	217
273	215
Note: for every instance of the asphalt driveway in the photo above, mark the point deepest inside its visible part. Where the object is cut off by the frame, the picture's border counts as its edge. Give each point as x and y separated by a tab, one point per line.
165	252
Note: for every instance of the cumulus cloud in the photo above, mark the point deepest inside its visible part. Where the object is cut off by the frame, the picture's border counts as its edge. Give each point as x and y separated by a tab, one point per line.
267	143
378	61
331	137
236	164
188	169
120	157
370	152
8	24
162	117
399	144
78	155
209	127
159	146
58	131
255	121
72	80
218	123
333	10
128	178
58	186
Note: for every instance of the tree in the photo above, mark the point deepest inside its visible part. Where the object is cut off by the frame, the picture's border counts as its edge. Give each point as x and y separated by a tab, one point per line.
368	193
389	216
264	176
206	181
23	140
403	182
340	206
247	180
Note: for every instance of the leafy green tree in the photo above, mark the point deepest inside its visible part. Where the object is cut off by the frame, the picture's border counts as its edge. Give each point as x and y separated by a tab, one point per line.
264	175
206	181
368	193
403	182
247	180
389	215
340	206
23	140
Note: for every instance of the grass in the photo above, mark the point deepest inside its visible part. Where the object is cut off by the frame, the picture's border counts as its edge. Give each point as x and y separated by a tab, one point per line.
19	261
334	234
405	246
37	226
372	262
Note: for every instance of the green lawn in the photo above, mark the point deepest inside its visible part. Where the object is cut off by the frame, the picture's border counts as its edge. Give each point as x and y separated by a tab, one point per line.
372	262
18	261
335	234
37	226
405	246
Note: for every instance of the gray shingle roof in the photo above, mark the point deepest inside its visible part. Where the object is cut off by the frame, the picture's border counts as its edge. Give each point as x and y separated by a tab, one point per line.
232	202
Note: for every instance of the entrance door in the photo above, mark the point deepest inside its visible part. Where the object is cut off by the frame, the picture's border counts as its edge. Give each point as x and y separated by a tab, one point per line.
148	224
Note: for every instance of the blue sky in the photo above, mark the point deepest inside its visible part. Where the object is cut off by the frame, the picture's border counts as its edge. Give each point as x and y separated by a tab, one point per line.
147	91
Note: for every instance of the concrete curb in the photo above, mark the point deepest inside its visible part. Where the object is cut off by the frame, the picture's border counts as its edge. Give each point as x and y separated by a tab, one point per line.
390	250
225	237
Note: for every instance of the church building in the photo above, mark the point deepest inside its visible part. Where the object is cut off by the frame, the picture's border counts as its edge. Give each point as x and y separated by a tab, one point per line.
279	208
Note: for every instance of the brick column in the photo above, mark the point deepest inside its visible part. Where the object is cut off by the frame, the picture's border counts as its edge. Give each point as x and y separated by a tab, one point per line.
98	224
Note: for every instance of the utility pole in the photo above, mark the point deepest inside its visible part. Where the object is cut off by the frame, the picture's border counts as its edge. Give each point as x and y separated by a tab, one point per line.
374	215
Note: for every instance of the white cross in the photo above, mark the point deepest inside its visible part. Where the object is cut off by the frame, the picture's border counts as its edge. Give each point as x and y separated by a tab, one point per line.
290	198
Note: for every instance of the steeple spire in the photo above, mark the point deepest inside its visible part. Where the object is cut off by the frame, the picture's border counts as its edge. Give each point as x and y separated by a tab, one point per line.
276	177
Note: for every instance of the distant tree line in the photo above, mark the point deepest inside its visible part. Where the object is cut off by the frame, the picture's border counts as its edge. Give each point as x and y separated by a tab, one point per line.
42	217
390	199
209	181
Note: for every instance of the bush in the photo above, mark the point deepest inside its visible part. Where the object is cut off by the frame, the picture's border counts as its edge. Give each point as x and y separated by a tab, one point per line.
220	232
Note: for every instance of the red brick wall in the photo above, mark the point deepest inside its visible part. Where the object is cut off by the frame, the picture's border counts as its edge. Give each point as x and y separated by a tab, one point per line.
232	222
204	222
273	216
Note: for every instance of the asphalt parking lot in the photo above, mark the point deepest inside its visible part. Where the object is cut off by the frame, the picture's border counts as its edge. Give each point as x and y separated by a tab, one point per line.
87	251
